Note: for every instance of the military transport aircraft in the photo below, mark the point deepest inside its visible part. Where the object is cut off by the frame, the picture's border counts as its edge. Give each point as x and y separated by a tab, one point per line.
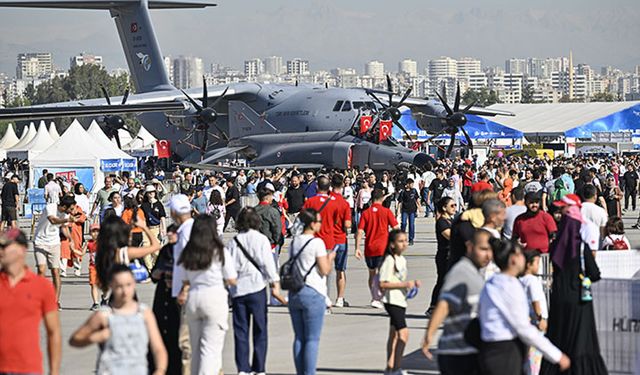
267	124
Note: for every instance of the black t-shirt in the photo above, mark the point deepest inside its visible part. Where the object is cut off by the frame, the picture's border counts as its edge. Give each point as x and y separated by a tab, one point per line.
153	212
630	180
408	199
295	198
9	192
437	187
443	244
233	193
461	232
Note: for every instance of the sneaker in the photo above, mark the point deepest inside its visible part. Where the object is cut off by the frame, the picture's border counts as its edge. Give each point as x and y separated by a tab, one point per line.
340	302
410	243
63	272
377	304
635	226
77	272
244	373
327	311
94	307
429	312
260	373
59	306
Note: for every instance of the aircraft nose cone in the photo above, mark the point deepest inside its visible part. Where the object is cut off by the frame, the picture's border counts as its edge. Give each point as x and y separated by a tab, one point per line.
421	159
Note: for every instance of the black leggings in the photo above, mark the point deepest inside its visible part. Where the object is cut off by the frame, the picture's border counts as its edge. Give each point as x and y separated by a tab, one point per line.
441	269
502	357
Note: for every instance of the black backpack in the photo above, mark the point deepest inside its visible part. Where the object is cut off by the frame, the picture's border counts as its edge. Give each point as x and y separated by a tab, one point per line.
291	277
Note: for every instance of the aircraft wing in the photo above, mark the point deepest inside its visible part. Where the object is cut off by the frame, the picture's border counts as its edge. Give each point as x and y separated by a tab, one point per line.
479	111
31	113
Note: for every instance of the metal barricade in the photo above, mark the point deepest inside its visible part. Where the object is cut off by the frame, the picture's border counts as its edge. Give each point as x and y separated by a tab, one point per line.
36	211
545	273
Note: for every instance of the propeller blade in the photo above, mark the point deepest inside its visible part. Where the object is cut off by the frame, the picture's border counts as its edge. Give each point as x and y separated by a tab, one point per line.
405	96
205	94
390	89
195	104
444	91
466	135
436	135
106	94
375	97
117	137
444	103
205	142
469	106
215	103
403	129
450	148
456	104
125	97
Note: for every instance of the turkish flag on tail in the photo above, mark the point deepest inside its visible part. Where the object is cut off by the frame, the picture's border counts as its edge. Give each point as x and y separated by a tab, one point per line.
163	148
385	129
365	123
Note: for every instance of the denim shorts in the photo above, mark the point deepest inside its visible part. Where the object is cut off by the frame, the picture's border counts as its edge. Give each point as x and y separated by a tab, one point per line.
342	254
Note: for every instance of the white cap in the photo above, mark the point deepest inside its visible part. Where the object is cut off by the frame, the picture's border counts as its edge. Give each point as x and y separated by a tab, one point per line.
269	186
179	204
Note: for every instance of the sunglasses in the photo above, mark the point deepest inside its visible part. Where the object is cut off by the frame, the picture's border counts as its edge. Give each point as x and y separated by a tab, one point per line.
453	205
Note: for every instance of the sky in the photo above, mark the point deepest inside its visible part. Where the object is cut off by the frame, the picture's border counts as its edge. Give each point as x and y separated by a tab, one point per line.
332	33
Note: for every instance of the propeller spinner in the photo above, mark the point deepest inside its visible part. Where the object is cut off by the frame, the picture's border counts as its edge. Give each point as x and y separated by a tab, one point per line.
456	119
391	111
113	123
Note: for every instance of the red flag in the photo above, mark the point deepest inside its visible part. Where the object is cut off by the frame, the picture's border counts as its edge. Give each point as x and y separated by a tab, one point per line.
163	148
415	146
365	123
385	129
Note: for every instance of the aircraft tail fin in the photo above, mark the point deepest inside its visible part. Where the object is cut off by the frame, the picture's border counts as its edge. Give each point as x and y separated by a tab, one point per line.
135	29
244	121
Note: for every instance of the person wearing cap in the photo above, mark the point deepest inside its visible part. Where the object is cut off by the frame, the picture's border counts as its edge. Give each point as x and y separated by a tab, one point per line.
271	223
534	228
199	201
27	301
10	199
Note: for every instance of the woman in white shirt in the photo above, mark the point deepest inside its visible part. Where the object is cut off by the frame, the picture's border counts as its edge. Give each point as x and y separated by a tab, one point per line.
307	306
208	266
81	197
251	257
504	318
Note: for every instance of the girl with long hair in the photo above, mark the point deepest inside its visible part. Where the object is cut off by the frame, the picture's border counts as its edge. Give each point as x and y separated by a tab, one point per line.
218	210
208	267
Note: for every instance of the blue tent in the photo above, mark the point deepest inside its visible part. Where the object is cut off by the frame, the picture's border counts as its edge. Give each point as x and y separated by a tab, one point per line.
477	127
625	120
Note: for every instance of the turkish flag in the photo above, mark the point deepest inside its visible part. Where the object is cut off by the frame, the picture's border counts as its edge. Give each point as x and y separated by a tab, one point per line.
365	123
385	129
163	148
415	146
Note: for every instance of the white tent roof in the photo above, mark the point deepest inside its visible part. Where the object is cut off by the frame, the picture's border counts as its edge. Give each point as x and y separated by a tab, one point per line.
143	140
39	143
76	148
27	136
53	132
556	118
10	139
125	138
96	133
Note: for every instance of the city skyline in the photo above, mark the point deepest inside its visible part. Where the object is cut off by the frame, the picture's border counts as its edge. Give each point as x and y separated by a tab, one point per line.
332	34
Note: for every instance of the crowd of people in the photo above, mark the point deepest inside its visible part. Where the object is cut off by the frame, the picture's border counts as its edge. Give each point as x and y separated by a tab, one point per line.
494	222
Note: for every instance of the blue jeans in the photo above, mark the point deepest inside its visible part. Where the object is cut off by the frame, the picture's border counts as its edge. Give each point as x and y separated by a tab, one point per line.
307	309
245	309
411	216
276	258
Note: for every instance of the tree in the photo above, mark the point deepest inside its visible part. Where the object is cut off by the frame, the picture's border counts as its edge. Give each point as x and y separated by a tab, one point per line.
527	94
482	98
603	97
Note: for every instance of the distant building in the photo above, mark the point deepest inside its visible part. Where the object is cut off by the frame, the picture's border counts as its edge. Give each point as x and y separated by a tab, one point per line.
409	67
298	67
85	59
515	66
273	65
575	87
468	66
442	67
477	81
168	67
187	72
34	65
253	67
374	69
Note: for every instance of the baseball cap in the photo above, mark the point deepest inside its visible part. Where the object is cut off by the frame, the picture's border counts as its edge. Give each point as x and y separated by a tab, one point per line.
94	226
269	186
568	200
180	204
13	235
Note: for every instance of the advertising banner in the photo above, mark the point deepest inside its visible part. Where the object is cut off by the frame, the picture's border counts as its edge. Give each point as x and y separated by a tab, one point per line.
118	165
84	175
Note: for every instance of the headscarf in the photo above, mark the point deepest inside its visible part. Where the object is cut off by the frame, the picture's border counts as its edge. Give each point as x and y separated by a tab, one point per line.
567	244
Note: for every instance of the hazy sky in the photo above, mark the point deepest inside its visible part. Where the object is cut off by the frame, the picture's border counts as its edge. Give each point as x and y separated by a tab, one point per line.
346	33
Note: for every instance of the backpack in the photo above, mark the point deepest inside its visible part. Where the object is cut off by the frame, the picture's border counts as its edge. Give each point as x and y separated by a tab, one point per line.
291	277
215	212
617	244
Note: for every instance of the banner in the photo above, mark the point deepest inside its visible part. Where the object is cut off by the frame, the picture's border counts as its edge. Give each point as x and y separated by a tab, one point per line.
118	165
36	202
67	175
84	175
163	149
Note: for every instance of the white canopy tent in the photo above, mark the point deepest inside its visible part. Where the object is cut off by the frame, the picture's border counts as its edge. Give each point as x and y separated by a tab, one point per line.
27	136
38	144
8	140
143	140
96	133
77	153
125	138
53	132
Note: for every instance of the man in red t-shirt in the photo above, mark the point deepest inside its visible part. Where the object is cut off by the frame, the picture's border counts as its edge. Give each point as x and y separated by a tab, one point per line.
26	300
340	229
328	211
374	225
483	184
534	228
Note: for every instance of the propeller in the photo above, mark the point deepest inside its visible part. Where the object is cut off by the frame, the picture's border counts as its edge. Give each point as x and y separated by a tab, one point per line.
113	123
456	118
206	115
389	110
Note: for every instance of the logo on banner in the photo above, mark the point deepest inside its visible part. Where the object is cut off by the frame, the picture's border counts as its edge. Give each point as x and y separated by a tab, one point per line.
67	175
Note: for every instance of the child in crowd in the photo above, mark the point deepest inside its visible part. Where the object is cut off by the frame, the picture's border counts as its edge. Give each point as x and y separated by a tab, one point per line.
614	238
125	331
538	311
393	281
91	247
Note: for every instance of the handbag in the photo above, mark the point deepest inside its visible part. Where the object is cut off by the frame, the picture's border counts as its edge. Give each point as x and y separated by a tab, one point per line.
139	270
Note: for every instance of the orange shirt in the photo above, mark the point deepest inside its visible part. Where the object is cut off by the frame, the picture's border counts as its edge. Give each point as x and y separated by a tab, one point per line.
22	309
127	216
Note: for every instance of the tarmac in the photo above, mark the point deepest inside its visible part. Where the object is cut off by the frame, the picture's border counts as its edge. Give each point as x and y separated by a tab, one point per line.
353	338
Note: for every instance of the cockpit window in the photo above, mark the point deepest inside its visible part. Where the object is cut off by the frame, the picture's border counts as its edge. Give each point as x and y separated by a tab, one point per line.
371	105
358	105
336	108
347	106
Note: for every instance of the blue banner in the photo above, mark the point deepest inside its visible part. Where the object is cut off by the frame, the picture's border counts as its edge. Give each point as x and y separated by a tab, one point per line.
625	120
84	175
118	165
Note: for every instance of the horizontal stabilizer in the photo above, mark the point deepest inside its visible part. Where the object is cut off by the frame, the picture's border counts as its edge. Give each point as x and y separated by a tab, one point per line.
222	152
244	121
104	4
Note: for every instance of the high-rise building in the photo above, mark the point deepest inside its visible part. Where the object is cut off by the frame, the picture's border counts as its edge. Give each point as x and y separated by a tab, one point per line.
168	66
468	66
477	81
574	87
85	59
637	70
537	67
187	72
515	66
253	67
273	65
297	66
374	69
409	67
34	65
442	67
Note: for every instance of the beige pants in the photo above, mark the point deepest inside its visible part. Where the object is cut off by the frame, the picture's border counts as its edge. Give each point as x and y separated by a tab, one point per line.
183	342
150	259
207	314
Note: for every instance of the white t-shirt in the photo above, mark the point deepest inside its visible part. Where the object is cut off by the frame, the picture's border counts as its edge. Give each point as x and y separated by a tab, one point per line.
47	233
52	191
347	194
594	213
533	288
214	276
608	240
428	177
590	234
307	259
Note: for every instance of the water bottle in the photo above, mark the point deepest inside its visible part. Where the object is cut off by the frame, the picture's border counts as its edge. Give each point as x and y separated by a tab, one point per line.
585	289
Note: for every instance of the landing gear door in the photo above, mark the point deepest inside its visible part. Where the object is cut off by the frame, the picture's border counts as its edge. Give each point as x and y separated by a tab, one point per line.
360	156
